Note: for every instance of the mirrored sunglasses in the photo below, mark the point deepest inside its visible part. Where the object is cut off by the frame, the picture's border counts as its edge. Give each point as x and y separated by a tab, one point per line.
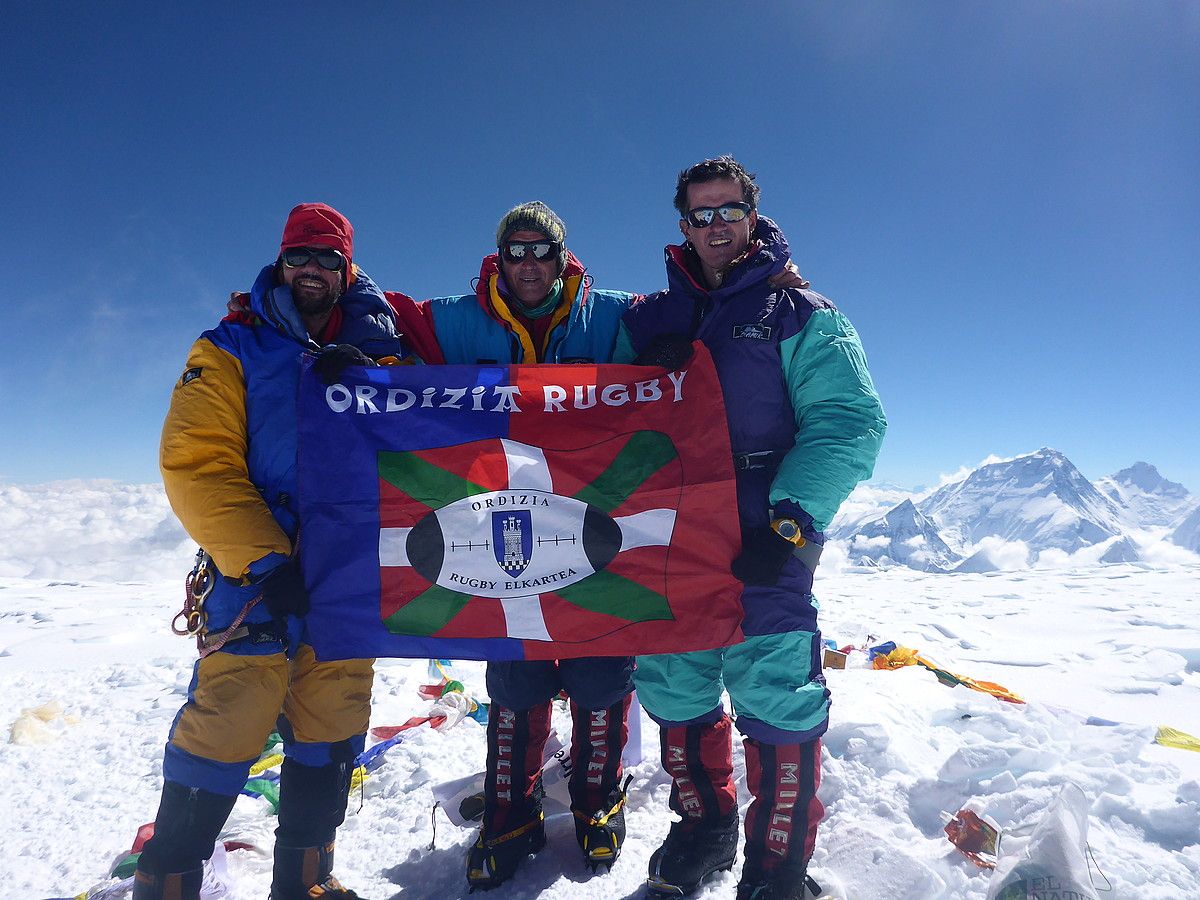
703	216
514	251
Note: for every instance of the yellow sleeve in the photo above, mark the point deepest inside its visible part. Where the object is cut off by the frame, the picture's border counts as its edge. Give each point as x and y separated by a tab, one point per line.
203	461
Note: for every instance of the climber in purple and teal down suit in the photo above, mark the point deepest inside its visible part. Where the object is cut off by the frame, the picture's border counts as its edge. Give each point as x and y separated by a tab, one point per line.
805	426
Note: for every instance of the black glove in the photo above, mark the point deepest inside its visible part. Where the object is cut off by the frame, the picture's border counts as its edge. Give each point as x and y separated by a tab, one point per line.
333	360
667	351
283	591
763	554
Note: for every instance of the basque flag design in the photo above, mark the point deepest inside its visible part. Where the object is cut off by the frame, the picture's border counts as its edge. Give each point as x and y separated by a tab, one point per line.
522	512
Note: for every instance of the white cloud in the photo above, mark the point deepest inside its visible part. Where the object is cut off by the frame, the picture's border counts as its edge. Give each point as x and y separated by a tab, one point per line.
862	544
1084	557
90	529
866	502
1163	553
946	478
1006	556
833	560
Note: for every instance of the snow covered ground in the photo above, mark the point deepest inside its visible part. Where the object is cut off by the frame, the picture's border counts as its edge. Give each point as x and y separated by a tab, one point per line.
84	614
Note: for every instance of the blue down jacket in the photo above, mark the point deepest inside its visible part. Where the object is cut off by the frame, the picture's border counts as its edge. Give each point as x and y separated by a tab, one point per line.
228	451
481	329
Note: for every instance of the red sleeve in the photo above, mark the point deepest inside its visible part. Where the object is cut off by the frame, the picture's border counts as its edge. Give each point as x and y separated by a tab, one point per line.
416	323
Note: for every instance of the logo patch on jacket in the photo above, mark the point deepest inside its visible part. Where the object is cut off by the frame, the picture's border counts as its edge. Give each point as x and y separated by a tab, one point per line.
755	331
190	375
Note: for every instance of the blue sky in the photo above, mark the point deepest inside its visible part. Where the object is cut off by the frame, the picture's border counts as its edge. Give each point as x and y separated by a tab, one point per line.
1004	198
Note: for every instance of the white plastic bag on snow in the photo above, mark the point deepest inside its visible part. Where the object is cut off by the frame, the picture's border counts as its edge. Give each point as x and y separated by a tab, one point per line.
1047	858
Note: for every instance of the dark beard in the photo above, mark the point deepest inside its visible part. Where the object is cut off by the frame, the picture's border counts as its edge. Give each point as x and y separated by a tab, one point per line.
314	303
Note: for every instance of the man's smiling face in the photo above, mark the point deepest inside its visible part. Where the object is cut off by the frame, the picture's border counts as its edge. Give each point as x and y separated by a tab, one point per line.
314	289
721	242
530	279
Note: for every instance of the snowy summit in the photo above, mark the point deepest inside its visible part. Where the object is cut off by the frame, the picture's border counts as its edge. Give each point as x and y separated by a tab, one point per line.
91	678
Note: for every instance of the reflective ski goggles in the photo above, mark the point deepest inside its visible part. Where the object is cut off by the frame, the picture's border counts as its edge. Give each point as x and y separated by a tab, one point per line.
514	251
326	257
703	216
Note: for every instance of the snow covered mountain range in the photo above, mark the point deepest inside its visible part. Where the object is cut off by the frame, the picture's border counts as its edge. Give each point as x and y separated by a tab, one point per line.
1036	509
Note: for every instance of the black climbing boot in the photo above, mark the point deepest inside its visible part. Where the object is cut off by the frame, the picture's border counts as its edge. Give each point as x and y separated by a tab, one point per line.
185	832
601	834
306	873
513	826
171	886
495	855
312	804
787	882
598	738
781	823
692	852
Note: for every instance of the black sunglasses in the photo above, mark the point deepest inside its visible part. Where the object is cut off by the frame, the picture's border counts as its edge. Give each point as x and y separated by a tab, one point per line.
514	251
703	216
327	258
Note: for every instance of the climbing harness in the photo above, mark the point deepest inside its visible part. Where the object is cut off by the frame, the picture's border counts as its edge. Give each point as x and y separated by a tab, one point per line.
192	620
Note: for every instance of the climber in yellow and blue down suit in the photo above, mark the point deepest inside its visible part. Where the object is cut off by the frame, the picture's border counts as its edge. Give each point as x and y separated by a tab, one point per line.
228	459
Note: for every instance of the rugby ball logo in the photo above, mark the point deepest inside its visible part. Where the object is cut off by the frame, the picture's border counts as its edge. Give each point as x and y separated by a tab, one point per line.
500	538
512	543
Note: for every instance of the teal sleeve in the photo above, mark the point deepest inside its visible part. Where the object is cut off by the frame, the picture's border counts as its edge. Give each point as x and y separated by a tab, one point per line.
623	352
839	419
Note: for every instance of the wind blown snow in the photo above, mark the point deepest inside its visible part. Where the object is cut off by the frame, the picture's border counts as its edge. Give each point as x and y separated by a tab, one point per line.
91	677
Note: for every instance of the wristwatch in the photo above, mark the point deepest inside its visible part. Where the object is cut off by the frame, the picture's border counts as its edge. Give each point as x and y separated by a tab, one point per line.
789	530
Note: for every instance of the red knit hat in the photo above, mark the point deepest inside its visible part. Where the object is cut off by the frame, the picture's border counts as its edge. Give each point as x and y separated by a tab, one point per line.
318	223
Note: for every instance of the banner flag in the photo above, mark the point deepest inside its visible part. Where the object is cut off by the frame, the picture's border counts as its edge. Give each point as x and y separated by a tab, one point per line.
517	512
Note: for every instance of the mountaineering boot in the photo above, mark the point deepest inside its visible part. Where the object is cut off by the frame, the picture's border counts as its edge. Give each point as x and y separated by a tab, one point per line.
781	823
692	852
598	739
601	834
312	804
185	831
513	824
699	758
494	857
305	873
787	882
172	886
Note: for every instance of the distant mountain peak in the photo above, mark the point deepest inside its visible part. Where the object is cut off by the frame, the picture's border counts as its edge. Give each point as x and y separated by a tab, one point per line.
1147	499
1040	498
1146	478
1005	514
902	535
